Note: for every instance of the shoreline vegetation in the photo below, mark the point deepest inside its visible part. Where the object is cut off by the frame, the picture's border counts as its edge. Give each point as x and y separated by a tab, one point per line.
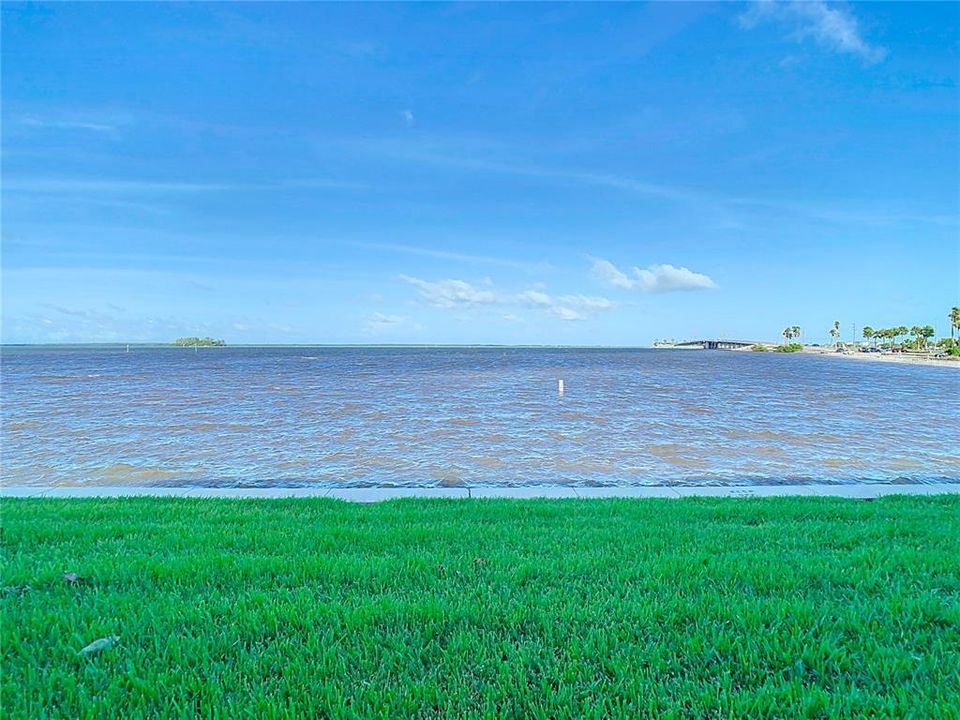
880	344
198	342
132	608
884	344
884	341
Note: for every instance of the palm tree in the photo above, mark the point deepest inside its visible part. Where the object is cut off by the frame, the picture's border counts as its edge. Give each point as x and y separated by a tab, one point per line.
868	333
795	331
787	334
954	320
921	333
900	331
835	331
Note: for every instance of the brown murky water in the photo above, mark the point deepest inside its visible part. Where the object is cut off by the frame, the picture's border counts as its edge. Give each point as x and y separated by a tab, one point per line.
469	416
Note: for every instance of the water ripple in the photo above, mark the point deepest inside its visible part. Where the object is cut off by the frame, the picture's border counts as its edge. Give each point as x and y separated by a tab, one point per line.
460	417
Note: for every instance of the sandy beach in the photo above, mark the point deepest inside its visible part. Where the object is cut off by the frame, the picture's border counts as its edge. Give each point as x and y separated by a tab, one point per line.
901	358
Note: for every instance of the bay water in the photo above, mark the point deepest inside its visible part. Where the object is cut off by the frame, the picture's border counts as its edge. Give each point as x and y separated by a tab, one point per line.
457	416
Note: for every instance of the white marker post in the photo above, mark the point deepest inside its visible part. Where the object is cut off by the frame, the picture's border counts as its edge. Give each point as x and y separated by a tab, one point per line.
560	387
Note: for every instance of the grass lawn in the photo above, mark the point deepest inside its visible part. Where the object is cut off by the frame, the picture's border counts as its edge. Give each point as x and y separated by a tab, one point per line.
699	608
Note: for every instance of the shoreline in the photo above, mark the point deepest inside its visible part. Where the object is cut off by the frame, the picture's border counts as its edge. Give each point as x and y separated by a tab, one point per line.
898	358
381	494
903	358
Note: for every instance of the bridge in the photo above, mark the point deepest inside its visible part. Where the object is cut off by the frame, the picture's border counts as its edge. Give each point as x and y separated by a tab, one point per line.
716	344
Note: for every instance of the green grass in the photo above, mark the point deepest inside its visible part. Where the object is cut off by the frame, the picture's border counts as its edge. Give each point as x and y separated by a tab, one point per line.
699	608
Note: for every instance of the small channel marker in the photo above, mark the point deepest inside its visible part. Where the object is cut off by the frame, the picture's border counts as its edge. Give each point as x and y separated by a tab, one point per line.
560	387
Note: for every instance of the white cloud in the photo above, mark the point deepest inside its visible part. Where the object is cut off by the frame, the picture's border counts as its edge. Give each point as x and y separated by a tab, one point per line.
831	26
535	298
565	313
451	293
655	278
407	116
606	271
448	294
667	278
587	302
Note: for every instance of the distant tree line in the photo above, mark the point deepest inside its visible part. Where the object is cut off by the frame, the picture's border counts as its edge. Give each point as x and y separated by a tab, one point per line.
892	337
198	341
921	334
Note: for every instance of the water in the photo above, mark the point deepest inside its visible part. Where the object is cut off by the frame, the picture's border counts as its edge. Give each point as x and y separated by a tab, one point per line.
470	416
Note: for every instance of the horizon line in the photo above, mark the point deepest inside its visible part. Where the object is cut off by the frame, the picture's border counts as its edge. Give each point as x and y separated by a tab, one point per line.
295	345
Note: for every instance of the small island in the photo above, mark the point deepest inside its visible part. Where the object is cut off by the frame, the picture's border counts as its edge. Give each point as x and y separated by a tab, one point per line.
198	342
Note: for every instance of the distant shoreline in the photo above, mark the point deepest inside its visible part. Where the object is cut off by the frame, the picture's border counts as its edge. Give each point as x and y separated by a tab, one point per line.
121	347
899	358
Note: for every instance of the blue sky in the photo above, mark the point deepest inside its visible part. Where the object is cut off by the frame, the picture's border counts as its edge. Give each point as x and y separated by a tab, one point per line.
483	173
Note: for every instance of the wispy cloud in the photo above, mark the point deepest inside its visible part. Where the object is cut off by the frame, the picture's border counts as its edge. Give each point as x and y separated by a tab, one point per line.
319	183
832	26
455	256
54	323
450	294
96	122
34	122
444	153
655	278
830	213
48	185
587	302
381	323
453	293
123	186
606	272
407	116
